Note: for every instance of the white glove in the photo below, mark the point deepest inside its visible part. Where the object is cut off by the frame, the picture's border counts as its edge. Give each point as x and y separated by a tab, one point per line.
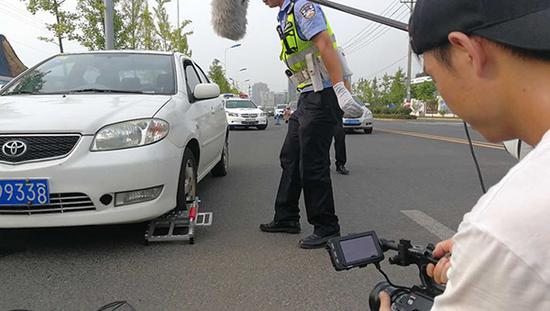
348	105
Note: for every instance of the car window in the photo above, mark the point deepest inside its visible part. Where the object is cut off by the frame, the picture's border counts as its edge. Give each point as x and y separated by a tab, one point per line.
192	78
232	104
99	72
204	78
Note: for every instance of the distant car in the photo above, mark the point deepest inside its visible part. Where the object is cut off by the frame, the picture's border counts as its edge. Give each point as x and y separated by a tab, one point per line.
244	113
364	123
107	137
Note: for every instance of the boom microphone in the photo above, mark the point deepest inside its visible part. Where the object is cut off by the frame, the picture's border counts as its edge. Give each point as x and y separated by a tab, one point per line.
229	18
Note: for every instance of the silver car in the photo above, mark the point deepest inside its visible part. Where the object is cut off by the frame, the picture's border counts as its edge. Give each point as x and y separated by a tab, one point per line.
364	123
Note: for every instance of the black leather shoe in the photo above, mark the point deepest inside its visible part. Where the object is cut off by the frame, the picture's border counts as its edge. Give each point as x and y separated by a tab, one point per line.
315	241
341	169
285	227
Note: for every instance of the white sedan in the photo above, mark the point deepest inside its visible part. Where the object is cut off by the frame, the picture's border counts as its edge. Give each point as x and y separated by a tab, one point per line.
364	123
106	138
244	113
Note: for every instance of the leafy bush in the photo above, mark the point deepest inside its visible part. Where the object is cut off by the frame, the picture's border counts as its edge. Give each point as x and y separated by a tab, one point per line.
395	116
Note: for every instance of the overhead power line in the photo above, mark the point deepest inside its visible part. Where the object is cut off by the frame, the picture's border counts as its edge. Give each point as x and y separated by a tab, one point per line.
373	38
372	24
387	67
368	35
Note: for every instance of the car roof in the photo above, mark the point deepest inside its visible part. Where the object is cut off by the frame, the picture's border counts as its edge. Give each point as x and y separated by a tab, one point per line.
146	52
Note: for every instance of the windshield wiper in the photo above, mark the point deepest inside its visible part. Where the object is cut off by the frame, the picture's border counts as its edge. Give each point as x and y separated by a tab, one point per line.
94	90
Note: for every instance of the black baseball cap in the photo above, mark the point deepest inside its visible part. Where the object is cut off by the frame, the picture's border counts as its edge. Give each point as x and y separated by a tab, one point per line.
519	23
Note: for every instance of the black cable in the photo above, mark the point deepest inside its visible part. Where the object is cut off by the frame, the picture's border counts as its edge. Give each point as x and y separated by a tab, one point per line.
403	288
475	159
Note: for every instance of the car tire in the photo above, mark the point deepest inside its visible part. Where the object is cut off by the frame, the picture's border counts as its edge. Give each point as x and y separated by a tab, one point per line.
368	131
221	167
187	184
262	127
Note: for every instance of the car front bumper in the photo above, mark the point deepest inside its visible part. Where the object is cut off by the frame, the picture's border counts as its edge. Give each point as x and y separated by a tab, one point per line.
238	121
95	174
357	124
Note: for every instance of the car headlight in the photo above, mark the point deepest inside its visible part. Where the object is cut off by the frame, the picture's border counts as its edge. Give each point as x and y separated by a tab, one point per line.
130	134
232	114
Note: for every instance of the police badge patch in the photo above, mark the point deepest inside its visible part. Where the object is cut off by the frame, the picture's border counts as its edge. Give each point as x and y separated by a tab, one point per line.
308	10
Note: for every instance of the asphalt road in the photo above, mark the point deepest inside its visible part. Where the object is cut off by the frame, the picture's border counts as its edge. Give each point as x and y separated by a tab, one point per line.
234	266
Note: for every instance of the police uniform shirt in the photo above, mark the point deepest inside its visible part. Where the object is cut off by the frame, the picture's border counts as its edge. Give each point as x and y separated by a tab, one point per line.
310	21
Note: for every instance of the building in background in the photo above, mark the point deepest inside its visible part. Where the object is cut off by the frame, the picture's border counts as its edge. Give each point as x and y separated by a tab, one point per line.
258	93
280	98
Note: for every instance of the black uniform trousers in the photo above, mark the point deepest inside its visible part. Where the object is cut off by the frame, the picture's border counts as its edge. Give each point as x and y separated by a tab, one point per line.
340	143
305	162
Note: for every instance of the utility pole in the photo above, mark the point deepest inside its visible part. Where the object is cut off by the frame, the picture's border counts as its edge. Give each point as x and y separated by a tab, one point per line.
178	5
109	25
410	4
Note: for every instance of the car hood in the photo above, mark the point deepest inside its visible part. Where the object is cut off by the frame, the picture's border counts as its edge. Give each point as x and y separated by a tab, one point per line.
84	114
366	115
244	110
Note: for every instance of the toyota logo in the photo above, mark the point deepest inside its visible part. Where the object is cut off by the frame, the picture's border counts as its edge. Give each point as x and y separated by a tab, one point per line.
14	148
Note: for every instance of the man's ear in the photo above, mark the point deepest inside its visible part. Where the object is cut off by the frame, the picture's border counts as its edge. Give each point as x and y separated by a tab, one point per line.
472	47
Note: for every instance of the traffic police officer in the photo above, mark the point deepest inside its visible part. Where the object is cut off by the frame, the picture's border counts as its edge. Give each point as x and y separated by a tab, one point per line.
308	40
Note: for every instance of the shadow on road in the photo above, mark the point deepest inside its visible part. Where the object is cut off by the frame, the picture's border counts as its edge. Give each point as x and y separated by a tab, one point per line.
90	239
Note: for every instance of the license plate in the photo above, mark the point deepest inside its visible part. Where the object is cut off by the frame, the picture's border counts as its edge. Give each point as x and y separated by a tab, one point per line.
249	120
352	122
24	192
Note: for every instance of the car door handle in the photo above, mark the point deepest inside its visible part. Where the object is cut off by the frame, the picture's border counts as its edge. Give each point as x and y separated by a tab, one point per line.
212	110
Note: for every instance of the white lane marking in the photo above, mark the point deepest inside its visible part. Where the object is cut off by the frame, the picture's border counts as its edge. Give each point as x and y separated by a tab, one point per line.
438	229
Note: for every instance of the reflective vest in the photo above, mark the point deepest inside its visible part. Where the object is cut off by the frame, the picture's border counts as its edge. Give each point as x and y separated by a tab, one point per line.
296	48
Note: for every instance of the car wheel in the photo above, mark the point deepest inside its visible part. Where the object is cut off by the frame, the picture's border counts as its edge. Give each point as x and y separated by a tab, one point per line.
262	127
187	185
220	169
368	131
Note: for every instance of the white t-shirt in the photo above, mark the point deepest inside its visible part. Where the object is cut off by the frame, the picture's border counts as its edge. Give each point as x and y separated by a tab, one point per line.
501	252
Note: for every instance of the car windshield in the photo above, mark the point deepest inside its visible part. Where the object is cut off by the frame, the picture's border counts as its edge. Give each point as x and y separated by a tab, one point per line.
357	99
232	104
98	73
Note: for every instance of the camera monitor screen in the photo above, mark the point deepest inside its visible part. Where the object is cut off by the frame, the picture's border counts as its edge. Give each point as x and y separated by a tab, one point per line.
359	249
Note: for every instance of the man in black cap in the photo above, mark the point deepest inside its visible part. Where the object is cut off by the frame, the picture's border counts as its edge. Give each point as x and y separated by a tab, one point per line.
490	60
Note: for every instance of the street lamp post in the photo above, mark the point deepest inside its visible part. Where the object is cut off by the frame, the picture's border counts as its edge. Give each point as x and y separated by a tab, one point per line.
225	56
241	70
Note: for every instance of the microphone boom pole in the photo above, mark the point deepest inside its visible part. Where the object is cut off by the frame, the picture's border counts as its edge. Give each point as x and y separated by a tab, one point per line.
363	14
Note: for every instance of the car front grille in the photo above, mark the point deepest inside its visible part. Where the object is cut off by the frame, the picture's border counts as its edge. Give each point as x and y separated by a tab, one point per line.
59	203
249	115
38	147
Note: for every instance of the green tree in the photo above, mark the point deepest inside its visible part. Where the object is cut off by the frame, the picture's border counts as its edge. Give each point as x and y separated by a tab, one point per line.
131	11
217	75
426	92
163	25
180	40
396	93
62	28
91	25
147	30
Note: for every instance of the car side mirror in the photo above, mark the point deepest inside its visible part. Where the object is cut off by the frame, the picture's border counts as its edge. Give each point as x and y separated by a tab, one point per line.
206	91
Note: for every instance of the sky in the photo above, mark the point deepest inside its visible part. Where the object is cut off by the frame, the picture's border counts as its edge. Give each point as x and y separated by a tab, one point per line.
372	50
